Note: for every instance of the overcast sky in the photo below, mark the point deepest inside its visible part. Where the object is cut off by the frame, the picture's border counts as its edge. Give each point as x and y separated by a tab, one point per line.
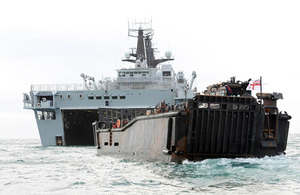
51	42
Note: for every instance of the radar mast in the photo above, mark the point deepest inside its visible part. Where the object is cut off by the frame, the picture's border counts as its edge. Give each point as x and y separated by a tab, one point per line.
144	32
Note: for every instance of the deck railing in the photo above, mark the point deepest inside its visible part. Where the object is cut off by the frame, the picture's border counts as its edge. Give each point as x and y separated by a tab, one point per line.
59	87
108	85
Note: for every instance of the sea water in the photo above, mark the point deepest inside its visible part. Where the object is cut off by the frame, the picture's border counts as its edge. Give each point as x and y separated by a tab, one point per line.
28	168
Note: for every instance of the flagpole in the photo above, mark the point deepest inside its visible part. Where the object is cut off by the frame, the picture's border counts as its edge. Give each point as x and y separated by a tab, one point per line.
260	90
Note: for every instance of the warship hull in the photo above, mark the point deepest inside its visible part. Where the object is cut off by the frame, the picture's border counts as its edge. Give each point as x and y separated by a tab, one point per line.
210	127
66	117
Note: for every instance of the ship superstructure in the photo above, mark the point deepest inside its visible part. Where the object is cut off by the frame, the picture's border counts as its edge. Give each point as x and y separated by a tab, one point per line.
65	112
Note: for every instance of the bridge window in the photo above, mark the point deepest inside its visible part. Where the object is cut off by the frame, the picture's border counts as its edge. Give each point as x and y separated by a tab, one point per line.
106	97
114	97
121	74
122	97
166	73
144	73
90	97
98	97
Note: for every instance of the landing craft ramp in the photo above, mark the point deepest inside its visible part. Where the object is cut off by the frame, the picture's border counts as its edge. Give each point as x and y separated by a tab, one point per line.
223	126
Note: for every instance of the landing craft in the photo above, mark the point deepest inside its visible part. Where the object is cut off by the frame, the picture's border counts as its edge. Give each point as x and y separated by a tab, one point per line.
224	122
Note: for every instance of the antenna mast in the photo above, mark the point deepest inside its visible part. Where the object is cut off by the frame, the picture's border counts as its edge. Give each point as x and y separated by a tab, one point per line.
144	51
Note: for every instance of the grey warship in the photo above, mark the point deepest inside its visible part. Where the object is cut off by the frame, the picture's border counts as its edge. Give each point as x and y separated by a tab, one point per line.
64	113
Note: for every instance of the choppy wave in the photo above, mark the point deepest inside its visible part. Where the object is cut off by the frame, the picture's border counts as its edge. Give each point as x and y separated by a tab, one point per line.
28	168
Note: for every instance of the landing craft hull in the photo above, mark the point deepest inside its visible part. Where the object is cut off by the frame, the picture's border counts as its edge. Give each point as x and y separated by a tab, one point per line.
145	139
210	127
